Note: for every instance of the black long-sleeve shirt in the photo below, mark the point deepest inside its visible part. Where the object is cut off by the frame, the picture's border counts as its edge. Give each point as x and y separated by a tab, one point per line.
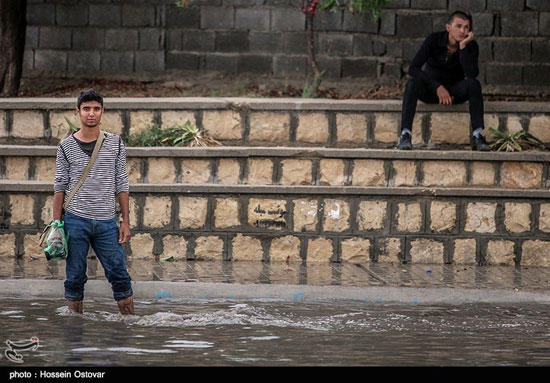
443	68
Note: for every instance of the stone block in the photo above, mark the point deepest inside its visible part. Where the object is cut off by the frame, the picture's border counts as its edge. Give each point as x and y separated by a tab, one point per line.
371	215
27	124
305	215
199	41
535	253
332	172
356	250
85	39
40	14
512	50
46	213
480	217
209	248
260	171
7	245
174	246
450	128
335	44
192	212
172	118
83	61
368	173
267	214
121	39
464	251
31	248
54	38
296	172
141	120
517	217
265	42
442	216
519	23
539	126
521	175
404	174
133	168
389	250
117	61
360	22
246	248
161	170
351	128
483	174
50	60
151	39
336	215
444	173
312	128
269	127
232	42
149	61
157	212
141	246
256	19
22	209
229	171
409	217
544	217
544	24
328	21
413	25
186	17
500	252
284	249
105	15
17	168
217	18
112	122
504	74
294	66
319	250
137	15
427	251
226	63
195	171
513	124
287	19
386	127
227	213
359	67
223	125
44	168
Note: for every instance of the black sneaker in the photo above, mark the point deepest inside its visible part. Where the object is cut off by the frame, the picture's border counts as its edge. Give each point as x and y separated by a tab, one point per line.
405	142
479	144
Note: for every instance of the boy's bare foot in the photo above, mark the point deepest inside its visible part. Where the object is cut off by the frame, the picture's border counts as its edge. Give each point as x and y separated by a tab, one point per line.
75	306
126	306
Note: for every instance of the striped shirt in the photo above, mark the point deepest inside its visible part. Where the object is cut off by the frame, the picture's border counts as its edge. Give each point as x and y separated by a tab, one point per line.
96	198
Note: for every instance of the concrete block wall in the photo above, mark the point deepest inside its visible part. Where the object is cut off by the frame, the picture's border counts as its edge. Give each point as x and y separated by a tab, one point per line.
268	37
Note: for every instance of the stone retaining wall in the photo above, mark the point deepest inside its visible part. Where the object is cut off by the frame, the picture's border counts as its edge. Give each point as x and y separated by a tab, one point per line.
303	166
275	122
247	223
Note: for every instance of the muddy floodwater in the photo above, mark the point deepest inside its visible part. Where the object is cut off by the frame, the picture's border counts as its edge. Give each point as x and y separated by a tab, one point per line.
276	333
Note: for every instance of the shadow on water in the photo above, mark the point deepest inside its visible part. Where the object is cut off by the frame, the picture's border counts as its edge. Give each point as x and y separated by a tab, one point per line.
270	332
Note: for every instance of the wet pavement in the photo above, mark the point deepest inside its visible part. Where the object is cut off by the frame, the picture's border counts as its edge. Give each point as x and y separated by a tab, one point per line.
247	279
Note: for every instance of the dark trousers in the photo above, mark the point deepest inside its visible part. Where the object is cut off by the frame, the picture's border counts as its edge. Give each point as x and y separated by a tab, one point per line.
462	91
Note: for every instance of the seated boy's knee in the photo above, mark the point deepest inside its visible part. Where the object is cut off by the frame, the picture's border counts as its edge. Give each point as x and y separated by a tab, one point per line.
473	84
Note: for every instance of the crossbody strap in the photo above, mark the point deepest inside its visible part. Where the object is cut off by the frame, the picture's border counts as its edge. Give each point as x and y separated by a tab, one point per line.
86	171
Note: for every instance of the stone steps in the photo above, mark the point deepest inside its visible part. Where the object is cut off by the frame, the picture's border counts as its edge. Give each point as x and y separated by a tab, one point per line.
287	184
275	122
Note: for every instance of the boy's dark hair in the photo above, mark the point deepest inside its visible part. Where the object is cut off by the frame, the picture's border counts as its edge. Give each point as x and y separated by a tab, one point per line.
461	15
89	95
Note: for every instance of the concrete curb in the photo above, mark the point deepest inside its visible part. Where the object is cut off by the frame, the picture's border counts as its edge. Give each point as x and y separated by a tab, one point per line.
180	291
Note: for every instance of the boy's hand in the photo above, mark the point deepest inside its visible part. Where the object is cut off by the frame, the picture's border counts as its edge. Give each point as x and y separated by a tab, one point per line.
124	232
469	37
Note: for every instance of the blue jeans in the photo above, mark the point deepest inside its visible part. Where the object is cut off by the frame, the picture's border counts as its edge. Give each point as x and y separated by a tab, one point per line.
102	235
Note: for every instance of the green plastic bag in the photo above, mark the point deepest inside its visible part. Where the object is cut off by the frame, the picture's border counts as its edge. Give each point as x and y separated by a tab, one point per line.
54	241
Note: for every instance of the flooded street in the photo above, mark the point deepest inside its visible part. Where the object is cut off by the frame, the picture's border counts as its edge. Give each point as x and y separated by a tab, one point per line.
277	333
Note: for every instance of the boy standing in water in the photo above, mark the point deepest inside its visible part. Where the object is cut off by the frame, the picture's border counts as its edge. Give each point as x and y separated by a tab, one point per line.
90	217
